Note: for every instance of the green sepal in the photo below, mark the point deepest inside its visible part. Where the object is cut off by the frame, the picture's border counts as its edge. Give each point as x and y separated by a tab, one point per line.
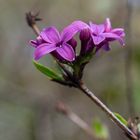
80	64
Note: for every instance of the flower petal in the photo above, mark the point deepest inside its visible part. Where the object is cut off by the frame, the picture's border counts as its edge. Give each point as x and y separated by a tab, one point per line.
115	37
37	42
50	35
107	25
72	29
118	31
111	35
67	52
43	49
97	29
33	43
98	39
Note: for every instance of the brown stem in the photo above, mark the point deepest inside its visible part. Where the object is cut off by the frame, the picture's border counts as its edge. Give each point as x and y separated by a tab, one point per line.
35	29
31	19
99	103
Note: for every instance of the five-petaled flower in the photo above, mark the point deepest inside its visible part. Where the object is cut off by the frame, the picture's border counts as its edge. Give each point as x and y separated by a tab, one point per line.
51	41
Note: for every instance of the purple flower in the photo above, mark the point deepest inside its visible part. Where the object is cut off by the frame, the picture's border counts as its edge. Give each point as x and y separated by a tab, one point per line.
86	41
114	34
60	44
102	34
37	42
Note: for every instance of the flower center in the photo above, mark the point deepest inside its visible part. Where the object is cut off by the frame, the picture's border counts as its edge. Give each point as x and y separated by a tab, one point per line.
59	44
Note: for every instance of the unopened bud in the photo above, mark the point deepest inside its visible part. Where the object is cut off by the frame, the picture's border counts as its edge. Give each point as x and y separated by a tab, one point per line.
73	43
85	35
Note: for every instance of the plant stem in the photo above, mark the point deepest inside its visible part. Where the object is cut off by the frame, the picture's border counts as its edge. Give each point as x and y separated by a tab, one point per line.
35	29
31	19
99	103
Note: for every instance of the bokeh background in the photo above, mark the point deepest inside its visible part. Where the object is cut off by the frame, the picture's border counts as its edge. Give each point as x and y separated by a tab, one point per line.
28	98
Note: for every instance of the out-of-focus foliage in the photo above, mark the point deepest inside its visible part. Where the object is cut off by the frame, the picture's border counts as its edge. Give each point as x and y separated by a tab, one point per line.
100	130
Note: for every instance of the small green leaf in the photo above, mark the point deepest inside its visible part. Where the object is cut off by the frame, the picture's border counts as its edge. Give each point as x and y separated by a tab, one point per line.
100	130
48	72
121	118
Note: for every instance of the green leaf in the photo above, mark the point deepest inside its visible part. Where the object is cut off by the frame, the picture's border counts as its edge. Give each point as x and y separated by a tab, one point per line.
121	118
47	71
100	130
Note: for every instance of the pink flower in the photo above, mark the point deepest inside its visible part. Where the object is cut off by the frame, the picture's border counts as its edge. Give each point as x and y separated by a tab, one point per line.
60	44
102	34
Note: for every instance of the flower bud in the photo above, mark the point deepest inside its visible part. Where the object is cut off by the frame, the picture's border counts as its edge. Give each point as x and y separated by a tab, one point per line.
73	43
85	35
86	43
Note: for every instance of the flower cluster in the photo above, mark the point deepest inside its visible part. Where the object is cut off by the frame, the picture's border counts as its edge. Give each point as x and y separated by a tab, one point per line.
63	45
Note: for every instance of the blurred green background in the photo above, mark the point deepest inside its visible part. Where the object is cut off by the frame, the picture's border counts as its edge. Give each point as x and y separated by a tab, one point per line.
28	98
